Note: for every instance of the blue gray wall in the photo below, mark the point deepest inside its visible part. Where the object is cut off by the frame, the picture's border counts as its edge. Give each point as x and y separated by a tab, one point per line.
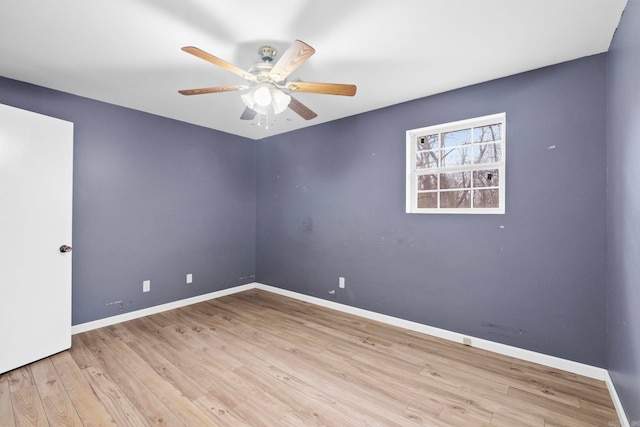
331	202
153	199
623	232
156	199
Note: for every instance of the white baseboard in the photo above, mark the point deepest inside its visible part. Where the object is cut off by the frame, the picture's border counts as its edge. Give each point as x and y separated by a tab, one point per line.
624	421
107	321
506	350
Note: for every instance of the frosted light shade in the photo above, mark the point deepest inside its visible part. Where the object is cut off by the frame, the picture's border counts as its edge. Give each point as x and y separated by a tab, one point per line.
264	99
247	98
280	101
262	96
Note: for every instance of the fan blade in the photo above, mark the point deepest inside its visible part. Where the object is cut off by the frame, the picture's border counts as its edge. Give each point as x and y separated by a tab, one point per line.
216	89
324	88
219	62
248	114
302	110
293	57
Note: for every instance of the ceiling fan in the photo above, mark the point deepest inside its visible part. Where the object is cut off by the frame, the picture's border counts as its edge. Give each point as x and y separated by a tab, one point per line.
268	90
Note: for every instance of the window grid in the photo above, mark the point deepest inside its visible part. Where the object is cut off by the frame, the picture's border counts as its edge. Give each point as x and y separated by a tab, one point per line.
461	162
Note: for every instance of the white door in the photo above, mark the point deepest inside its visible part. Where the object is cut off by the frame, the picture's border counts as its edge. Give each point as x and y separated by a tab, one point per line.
36	163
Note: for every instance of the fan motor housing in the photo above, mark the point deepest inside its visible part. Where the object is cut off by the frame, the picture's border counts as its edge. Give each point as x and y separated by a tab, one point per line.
261	71
267	53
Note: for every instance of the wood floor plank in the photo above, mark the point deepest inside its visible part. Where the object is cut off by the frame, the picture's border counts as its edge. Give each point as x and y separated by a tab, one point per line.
499	420
118	364
484	380
88	405
28	409
119	406
591	391
57	404
310	407
198	368
314	390
557	412
6	408
81	354
221	413
170	372
147	390
604	411
261	359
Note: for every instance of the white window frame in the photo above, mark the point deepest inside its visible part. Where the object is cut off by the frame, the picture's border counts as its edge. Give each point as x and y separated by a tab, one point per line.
412	172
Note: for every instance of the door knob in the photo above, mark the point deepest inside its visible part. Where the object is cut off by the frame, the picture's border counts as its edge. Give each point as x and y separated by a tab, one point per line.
64	249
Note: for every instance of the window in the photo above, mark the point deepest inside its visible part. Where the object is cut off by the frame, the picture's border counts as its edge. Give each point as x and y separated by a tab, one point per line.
457	167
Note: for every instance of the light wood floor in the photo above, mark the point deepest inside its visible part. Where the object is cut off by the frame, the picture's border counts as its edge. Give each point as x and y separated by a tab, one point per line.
260	359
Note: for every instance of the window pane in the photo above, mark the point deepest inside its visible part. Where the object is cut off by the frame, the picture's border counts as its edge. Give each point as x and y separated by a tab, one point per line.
487	133
427	182
456	138
427	200
455	199
455	180
428	142
486	198
487	153
486	178
456	157
457	167
426	159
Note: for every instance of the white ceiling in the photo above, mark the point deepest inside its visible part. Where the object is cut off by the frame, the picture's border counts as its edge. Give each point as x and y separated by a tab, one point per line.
127	52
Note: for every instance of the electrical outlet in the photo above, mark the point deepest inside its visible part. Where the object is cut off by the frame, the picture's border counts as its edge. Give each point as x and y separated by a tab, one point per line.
341	282
146	286
189	278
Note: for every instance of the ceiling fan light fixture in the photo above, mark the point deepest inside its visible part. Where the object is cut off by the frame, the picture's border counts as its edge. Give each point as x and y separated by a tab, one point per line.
247	98
268	90
280	101
262	95
266	98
